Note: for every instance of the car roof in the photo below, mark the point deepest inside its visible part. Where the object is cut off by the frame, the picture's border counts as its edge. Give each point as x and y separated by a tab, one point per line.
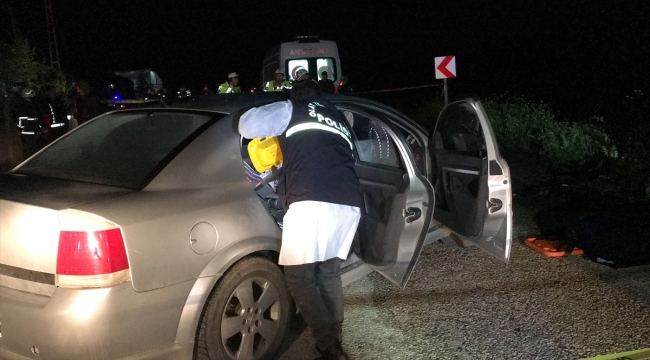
229	103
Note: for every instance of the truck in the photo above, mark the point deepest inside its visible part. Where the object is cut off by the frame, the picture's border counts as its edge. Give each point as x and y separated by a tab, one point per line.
308	52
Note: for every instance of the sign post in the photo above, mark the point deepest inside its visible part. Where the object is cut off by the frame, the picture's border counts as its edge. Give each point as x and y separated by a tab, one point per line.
445	68
445	90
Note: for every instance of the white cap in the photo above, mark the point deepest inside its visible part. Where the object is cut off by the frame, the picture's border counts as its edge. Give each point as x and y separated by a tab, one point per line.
300	73
279	71
232	75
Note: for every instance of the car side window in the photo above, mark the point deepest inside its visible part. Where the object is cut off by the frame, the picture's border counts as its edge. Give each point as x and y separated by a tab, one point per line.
374	144
459	131
417	149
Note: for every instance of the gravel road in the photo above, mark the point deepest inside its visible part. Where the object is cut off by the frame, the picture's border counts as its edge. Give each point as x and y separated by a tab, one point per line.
464	304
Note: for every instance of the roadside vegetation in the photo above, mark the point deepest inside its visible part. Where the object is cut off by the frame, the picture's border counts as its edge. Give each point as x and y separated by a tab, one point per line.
20	72
533	130
531	134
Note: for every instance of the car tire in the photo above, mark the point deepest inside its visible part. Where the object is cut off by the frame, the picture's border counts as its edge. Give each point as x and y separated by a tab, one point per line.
247	314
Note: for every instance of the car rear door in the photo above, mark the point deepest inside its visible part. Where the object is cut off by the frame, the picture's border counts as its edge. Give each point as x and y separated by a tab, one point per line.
398	199
472	181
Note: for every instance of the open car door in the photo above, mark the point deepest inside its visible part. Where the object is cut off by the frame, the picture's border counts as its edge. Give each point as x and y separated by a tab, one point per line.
472	181
398	200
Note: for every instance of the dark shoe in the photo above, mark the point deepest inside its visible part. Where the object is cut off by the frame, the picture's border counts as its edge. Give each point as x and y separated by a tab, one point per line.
334	352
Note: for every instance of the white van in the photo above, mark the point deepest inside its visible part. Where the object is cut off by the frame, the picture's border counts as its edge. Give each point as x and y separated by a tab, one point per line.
305	52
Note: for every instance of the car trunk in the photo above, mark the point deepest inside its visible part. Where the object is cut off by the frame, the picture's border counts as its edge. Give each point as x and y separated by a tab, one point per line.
29	223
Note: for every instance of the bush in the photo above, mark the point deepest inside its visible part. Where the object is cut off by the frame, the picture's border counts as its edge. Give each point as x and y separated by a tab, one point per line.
427	113
530	132
526	128
519	125
18	66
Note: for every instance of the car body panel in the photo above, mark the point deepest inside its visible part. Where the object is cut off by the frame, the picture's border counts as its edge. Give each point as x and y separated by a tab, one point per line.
230	103
90	323
473	187
390	239
29	237
57	194
204	183
29	218
213	272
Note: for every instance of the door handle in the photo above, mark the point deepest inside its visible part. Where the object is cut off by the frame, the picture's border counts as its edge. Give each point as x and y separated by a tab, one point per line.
411	214
494	205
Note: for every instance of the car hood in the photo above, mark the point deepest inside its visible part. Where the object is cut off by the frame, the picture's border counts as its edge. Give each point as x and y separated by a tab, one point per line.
54	193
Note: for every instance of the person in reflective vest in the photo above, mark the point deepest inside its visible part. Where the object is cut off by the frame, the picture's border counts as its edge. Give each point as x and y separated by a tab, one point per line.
230	86
278	83
319	189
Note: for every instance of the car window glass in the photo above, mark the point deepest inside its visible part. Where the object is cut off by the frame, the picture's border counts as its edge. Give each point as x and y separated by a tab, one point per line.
417	149
315	66
120	149
326	64
459	131
374	144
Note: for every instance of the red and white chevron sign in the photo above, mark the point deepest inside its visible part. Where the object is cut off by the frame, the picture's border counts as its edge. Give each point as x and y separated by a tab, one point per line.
445	67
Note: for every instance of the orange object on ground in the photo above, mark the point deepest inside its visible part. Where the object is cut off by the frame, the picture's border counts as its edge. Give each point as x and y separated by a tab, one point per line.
552	248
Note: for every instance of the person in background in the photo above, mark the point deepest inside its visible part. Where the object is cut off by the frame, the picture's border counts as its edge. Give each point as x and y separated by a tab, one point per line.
319	189
149	93
30	108
230	86
207	90
344	87
56	107
326	85
278	83
301	74
87	105
183	92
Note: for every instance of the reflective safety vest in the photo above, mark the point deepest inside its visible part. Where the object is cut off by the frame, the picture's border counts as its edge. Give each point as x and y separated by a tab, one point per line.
270	86
225	88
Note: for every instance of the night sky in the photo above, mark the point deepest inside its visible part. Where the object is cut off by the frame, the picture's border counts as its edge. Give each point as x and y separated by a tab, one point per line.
573	54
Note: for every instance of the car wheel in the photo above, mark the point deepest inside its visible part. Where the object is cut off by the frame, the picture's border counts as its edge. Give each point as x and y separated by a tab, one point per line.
247	314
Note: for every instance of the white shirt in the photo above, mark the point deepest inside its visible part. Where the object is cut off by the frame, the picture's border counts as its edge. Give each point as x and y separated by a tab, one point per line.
317	231
267	120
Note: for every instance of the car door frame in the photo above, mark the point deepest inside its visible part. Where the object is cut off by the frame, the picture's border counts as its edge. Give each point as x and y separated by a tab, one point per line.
494	234
417	189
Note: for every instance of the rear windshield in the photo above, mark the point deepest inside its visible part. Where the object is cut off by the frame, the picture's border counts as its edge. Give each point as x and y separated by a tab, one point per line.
124	149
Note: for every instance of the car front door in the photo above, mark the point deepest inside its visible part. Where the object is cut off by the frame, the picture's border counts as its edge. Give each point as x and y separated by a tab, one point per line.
471	179
398	200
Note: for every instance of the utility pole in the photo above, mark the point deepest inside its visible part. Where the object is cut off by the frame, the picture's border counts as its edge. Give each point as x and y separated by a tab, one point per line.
51	35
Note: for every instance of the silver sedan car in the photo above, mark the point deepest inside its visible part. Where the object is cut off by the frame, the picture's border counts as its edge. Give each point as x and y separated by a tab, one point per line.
145	233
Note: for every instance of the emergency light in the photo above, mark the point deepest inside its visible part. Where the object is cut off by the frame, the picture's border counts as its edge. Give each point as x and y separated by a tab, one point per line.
265	153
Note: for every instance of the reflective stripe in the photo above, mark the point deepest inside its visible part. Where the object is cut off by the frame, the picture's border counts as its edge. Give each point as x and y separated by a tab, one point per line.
270	86
315	126
462	171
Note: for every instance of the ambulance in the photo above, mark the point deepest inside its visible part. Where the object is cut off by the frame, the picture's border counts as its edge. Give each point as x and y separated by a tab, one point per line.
308	52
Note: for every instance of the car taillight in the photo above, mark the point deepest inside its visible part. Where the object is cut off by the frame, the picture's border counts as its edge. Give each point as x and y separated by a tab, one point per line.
91	252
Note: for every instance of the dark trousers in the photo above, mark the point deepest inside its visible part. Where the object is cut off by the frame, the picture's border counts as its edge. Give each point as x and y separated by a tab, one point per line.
318	293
